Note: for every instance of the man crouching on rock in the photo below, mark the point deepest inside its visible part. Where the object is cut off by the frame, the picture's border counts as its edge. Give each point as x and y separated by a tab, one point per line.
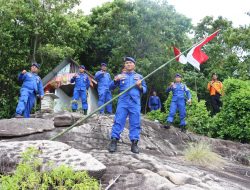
129	104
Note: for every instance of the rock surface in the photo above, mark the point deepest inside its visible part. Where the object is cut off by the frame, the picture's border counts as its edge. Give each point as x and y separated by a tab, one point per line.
160	164
21	126
57	152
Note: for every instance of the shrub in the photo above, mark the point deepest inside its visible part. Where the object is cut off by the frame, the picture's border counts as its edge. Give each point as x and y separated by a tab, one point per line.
28	176
233	121
157	115
201	154
198	118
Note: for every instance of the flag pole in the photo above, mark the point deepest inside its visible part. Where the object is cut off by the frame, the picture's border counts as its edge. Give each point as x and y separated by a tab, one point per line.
117	96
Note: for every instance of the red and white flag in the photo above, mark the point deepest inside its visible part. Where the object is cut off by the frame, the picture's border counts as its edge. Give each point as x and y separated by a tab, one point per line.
196	56
181	58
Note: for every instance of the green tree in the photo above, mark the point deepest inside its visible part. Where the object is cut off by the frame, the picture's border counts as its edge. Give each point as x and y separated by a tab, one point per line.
46	31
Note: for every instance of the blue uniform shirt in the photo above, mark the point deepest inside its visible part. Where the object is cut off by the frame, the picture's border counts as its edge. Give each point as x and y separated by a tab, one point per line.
31	81
179	91
81	81
127	80
154	101
103	79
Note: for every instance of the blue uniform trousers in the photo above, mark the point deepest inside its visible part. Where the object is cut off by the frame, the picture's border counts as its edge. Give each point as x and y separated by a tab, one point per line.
181	106
79	94
127	108
103	98
26	102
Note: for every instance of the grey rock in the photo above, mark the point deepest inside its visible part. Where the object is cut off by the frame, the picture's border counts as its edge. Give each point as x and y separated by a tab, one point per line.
22	126
56	152
160	164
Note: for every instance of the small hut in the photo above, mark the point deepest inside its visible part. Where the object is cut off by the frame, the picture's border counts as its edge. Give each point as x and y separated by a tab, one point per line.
59	91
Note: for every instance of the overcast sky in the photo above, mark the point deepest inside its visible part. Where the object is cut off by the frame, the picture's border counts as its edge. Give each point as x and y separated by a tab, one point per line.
234	10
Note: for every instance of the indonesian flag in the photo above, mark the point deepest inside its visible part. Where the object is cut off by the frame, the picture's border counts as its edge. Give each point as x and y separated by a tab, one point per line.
180	58
196	56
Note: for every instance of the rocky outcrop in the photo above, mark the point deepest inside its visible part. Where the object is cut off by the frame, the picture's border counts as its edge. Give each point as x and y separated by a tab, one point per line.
160	164
56	152
22	126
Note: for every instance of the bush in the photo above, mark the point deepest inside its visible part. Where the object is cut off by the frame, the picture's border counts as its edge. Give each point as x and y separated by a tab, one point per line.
198	118
28	176
201	154
157	115
233	121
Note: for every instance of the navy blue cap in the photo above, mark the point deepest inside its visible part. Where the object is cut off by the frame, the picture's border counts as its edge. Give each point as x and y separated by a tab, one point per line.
36	65
104	64
178	75
129	59
82	66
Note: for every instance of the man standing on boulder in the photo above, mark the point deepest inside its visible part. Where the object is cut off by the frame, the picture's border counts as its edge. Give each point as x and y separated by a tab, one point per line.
215	89
179	91
129	104
154	102
82	84
103	78
31	86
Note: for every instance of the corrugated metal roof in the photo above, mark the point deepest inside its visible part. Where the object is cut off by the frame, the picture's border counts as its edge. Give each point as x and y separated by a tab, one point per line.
54	72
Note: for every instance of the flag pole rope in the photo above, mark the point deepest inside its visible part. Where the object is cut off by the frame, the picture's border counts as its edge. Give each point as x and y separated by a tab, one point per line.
117	96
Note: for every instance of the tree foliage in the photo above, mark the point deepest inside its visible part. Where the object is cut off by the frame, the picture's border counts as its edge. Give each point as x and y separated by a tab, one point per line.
36	30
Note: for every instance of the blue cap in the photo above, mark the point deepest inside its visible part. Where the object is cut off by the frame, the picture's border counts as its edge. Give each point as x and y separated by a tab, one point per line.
129	59
35	64
104	64
178	75
82	67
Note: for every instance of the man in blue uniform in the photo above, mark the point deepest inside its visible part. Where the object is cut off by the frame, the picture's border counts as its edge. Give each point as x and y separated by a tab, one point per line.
103	78
154	102
129	104
179	91
82	84
31	86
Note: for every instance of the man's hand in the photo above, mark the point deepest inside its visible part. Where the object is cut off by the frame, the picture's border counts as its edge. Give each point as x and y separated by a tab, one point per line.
75	75
189	101
24	71
117	77
138	83
41	97
171	84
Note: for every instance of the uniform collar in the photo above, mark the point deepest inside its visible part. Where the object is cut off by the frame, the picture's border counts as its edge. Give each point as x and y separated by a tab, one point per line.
130	73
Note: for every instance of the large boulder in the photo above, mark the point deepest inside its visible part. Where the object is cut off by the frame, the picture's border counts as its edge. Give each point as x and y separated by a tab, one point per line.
57	152
66	119
23	126
160	164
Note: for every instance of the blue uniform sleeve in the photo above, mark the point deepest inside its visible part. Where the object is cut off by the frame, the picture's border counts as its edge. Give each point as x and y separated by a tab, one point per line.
168	89
87	83
187	91
21	77
40	88
113	84
98	75
73	79
144	87
159	102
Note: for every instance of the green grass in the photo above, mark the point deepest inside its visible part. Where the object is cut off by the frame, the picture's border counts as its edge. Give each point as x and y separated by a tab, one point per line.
201	154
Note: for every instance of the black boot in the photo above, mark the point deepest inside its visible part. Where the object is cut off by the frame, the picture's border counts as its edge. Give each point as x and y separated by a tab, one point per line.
183	128
73	110
85	112
134	147
113	145
167	126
